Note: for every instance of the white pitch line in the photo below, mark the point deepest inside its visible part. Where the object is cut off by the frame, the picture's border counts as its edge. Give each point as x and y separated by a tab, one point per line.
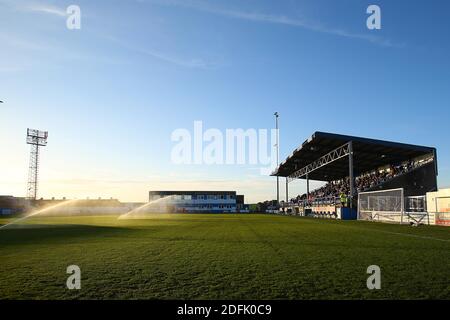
416	236
408	235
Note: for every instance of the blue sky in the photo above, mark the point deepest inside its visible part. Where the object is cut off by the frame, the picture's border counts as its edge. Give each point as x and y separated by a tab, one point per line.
111	93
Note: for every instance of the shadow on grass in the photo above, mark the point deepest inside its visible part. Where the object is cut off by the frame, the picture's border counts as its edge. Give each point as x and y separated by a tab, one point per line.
50	233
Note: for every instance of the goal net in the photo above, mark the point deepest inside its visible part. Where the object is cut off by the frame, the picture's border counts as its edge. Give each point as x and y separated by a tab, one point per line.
383	206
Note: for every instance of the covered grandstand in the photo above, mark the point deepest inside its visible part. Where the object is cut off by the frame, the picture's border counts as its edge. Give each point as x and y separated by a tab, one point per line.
351	165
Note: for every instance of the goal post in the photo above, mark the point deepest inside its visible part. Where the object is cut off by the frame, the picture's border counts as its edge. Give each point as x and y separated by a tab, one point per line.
382	205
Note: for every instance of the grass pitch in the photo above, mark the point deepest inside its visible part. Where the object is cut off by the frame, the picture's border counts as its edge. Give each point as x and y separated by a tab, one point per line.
221	257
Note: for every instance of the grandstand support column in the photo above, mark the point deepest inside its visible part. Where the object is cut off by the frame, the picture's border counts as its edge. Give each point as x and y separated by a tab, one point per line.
307	187
287	190
350	175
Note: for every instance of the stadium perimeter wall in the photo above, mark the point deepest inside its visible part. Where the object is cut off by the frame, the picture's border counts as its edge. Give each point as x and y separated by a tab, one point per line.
438	206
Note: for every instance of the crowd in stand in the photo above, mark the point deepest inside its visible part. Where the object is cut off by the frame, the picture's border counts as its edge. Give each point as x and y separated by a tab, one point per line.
364	182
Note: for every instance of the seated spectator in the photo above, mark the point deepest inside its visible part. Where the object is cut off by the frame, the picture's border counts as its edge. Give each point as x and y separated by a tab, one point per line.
364	182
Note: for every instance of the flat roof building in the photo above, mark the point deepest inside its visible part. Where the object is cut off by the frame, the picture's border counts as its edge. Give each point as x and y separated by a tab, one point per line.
197	201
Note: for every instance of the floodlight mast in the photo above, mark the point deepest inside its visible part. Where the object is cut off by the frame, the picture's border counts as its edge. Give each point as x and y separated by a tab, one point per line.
36	139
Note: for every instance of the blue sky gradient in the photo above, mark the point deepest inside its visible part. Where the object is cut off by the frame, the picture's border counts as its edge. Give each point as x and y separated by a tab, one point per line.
111	93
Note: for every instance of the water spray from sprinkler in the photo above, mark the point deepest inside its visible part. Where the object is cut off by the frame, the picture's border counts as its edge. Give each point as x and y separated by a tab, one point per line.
142	209
40	211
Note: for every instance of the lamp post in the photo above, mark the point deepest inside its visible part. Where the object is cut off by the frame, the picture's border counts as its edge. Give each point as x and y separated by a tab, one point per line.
278	155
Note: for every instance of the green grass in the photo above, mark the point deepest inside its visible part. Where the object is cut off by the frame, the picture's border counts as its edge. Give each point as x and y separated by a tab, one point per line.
221	257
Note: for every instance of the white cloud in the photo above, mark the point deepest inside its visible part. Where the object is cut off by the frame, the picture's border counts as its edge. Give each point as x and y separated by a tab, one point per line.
275	19
35	7
47	9
25	44
179	61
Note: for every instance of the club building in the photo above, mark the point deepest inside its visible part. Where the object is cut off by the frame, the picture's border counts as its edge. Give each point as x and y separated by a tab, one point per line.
201	201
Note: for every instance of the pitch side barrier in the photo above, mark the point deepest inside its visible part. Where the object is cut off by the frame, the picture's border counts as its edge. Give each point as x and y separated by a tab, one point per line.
325	208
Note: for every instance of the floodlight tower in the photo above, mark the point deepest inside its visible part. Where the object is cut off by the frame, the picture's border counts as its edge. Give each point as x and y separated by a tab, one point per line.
36	139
